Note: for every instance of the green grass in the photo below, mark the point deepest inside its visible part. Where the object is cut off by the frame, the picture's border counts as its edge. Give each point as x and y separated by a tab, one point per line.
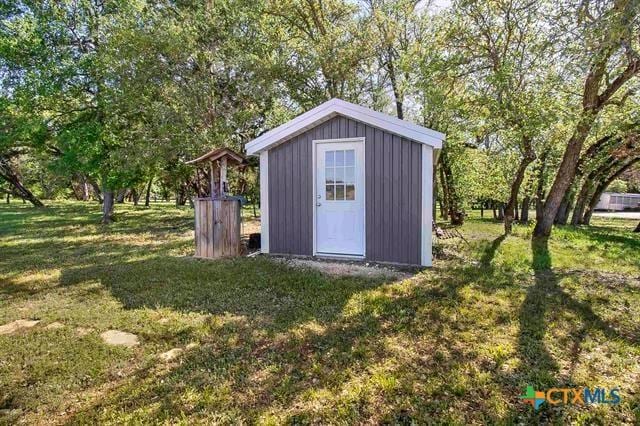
271	344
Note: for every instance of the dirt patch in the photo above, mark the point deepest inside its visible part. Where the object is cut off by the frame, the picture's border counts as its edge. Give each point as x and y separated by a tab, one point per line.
120	338
83	331
17	325
171	354
338	268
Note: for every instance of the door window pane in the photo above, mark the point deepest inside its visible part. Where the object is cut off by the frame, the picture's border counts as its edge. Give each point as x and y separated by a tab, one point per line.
330	192
339	175
351	192
328	158
328	175
350	157
349	174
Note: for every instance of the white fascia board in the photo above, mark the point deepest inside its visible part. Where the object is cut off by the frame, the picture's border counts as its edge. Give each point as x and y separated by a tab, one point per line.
426	242
289	128
379	116
336	106
264	202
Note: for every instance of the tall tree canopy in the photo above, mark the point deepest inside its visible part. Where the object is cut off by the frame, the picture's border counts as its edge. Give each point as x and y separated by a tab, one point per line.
106	97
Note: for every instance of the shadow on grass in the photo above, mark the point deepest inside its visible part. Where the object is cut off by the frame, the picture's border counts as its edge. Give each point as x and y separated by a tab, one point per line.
290	345
373	341
307	348
539	367
490	252
262	290
604	235
543	302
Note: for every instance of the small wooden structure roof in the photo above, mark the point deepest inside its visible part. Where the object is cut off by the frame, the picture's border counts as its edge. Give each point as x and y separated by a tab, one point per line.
219	153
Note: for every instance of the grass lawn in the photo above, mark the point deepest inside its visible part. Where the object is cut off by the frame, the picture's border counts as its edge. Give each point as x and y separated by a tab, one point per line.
266	343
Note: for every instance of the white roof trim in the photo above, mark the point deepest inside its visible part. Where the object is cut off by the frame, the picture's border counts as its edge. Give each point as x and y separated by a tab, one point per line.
333	107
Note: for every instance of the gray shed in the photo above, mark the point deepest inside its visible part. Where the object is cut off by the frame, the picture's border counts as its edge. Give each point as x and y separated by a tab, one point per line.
345	181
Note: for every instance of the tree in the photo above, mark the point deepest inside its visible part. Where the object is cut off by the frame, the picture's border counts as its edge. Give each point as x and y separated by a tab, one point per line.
126	88
510	72
397	26
322	49
609	37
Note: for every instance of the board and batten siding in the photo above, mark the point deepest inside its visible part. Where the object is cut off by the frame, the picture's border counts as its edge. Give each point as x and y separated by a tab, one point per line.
393	180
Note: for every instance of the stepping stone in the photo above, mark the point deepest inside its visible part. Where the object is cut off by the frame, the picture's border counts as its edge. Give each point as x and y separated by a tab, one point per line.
54	325
171	355
16	325
120	338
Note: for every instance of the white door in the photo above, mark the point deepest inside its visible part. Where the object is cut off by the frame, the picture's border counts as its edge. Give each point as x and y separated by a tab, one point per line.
340	226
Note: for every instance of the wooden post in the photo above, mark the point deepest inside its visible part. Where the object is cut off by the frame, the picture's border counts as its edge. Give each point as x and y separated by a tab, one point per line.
223	176
211	181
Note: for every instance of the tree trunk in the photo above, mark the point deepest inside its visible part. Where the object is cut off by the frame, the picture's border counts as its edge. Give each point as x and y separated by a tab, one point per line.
581	201
524	210
8	174
8	198
456	215
107	207
501	212
394	85
586	218
637	228
589	186
147	198
120	197
434	205
444	206
565	207
96	191
135	196
564	177
599	88
181	196
509	211
79	187
85	190
493	207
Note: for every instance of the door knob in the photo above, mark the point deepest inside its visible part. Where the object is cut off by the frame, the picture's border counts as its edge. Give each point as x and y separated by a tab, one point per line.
318	204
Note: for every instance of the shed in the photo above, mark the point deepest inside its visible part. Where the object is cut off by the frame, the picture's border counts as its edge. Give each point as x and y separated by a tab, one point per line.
342	180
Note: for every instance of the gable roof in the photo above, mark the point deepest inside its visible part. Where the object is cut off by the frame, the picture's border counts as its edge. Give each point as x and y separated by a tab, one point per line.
335	107
217	154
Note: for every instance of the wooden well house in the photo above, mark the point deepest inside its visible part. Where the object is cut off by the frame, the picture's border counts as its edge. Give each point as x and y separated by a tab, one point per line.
217	214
